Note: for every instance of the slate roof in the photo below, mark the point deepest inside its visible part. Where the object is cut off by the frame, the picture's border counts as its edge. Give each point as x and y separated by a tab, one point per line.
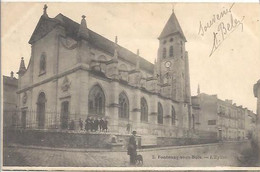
172	26
72	27
10	81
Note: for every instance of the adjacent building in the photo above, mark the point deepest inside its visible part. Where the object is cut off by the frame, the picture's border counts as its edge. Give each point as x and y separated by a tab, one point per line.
222	118
10	86
250	124
256	91
75	73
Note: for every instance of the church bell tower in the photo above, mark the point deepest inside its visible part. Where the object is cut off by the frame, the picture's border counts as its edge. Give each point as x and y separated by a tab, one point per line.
172	61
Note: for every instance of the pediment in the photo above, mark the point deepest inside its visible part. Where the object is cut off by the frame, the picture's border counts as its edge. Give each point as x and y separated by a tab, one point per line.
44	26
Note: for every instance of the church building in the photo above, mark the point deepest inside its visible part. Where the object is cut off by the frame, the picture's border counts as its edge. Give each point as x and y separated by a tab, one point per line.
75	73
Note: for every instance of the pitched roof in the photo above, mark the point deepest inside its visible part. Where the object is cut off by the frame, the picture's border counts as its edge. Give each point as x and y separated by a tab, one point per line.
172	26
71	27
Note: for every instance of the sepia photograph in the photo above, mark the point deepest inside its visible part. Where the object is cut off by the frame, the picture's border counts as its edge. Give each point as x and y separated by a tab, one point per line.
131	85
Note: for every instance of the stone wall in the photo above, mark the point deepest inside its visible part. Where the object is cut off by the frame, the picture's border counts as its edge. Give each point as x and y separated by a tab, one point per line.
61	139
168	141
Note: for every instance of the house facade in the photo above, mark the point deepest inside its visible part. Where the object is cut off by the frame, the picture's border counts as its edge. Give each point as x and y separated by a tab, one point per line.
222	118
10	86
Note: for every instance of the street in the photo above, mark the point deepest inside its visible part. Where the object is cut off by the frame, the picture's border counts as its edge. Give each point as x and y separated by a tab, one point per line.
203	156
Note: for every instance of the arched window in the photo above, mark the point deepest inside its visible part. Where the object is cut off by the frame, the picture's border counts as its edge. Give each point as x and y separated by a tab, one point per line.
160	114
171	51
43	63
41	110
173	116
123	106
144	110
96	101
164	53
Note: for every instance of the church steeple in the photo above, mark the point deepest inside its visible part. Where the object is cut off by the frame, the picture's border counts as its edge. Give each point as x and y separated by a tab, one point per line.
172	60
172	27
22	68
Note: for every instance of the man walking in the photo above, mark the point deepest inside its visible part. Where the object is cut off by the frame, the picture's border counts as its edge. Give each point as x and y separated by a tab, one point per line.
131	150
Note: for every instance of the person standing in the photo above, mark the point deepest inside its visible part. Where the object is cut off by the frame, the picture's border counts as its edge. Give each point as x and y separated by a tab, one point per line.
105	125
87	124
92	125
128	128
101	124
80	124
96	123
131	150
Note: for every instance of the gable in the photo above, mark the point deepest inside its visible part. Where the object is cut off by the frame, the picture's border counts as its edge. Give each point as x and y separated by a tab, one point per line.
44	26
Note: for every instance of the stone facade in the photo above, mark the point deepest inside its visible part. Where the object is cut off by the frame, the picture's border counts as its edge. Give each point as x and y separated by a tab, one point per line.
226	119
250	124
256	90
74	73
10	86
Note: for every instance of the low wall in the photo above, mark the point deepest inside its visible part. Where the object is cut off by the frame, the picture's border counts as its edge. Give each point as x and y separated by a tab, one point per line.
171	141
68	139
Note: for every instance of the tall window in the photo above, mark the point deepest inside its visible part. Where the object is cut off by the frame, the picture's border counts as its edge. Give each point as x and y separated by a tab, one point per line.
164	53
64	117
96	101
173	116
144	110
41	110
160	114
123	106
171	51
43	63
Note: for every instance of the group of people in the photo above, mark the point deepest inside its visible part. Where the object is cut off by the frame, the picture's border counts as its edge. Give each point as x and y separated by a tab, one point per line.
94	124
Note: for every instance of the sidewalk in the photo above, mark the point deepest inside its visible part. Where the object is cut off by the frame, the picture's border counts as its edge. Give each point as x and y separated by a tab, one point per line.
120	150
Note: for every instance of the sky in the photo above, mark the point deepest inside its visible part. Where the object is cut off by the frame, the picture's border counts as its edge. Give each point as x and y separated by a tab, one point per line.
230	72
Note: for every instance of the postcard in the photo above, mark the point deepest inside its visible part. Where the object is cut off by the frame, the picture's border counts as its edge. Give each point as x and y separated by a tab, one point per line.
117	86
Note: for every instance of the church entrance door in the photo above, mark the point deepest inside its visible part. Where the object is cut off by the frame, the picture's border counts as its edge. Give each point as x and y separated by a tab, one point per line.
64	118
41	110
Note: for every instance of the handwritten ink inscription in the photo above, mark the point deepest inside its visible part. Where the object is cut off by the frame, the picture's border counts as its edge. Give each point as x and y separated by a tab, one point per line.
225	24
